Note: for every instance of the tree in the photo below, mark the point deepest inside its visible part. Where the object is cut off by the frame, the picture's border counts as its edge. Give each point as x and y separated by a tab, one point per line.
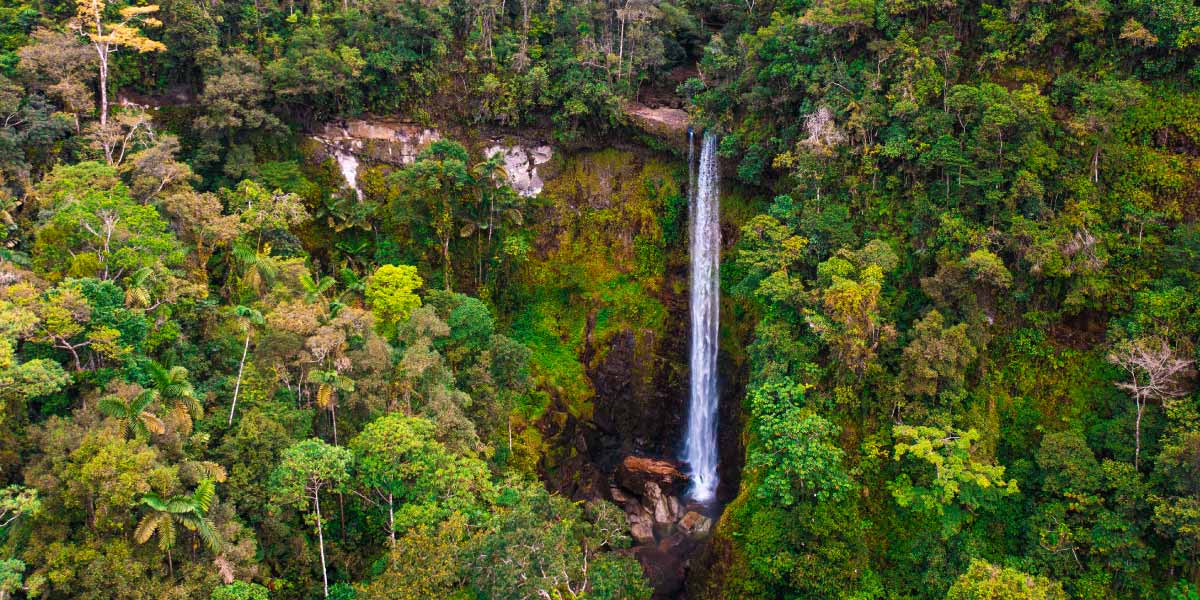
397	462
240	590
21	380
985	581
794	450
314	289
936	359
249	318
389	293
106	38
100	231
265	211
1098	105
958	477
188	510
134	413
771	252
11	572
305	470
55	64
16	502
427	562
199	220
1154	374
330	384
155	169
434	191
316	75
847	313
1177	505
535	545
234	102
173	388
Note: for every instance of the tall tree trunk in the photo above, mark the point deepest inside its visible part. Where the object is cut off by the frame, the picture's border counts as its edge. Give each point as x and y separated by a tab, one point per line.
333	420
446	261
237	387
1137	435
321	541
103	84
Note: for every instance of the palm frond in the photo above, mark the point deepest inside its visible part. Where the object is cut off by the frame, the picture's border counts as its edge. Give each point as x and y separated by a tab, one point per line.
146	528
113	406
142	400
211	538
206	492
208	470
325	397
154	501
180	505
152	423
166	533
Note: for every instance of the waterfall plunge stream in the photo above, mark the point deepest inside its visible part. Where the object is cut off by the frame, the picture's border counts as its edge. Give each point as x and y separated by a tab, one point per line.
700	441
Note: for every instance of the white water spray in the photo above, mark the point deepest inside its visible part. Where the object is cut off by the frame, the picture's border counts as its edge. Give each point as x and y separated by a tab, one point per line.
348	164
700	442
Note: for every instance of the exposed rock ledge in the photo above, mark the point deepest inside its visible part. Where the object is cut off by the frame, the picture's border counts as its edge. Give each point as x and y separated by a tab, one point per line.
670	124
397	142
383	141
521	166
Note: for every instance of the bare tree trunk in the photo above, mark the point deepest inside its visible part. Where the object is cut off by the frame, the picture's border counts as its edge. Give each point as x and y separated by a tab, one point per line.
103	85
621	43
333	420
446	261
392	519
1137	435
237	387
321	541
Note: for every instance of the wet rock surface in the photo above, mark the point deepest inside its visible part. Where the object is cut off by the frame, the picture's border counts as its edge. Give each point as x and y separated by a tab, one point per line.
667	531
521	165
392	142
639	475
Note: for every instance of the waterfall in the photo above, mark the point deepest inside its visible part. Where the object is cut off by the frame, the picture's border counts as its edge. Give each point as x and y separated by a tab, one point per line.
348	164
700	442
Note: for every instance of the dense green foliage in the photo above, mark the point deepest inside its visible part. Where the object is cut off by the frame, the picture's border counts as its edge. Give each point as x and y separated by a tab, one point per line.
964	236
979	265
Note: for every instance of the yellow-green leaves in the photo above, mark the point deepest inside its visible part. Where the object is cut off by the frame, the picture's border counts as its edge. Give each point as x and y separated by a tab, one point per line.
945	475
389	293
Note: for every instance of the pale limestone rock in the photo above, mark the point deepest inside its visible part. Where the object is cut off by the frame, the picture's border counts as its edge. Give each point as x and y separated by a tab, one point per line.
520	166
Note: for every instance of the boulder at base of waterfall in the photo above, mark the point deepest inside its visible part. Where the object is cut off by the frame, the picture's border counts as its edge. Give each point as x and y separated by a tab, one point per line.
635	472
695	525
641	527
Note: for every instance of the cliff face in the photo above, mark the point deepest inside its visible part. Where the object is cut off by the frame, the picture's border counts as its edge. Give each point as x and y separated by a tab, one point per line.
602	300
389	141
607	310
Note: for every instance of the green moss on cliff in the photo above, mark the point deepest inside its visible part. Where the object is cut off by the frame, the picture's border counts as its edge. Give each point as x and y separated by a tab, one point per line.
610	228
